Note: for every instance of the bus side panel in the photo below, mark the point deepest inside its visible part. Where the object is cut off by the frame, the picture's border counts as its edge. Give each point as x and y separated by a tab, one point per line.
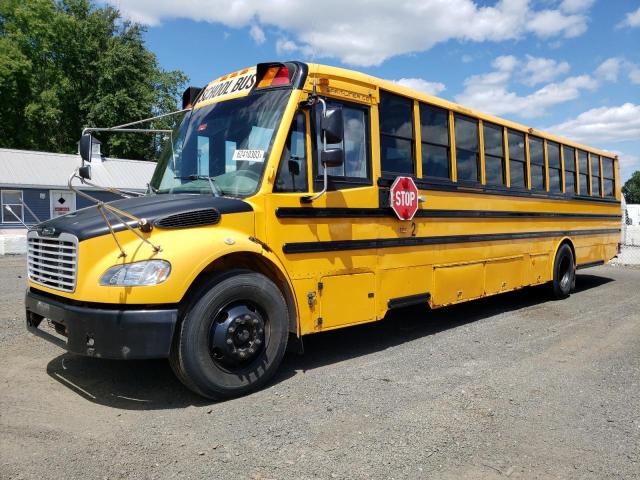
396	283
539	268
457	283
503	274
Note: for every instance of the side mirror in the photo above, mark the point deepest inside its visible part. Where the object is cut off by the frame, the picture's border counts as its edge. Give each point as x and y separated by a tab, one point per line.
332	157
86	147
332	124
85	172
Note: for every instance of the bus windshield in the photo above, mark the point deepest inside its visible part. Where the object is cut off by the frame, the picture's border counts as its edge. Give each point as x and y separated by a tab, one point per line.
221	148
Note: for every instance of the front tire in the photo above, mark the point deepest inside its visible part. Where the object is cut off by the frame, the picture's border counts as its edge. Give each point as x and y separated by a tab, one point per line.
564	272
233	338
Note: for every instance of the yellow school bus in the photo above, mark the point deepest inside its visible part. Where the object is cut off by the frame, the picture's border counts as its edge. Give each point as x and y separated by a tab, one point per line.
268	218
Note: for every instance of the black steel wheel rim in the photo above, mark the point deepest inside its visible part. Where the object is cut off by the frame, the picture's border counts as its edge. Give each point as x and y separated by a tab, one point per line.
237	334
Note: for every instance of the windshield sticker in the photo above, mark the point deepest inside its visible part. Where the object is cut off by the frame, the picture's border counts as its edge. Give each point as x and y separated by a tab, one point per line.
233	85
249	155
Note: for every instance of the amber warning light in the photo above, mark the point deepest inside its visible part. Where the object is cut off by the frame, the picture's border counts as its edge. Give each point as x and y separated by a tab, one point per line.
273	75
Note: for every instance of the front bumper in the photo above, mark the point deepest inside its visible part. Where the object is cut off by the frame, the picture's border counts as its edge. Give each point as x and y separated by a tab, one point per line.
103	331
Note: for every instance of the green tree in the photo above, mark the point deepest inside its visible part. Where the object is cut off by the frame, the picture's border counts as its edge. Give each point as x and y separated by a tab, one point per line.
631	188
67	64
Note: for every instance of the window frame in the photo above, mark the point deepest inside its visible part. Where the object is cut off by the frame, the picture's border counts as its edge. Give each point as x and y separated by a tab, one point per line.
524	162
306	117
503	158
559	169
586	174
532	163
424	143
612	178
9	214
340	182
574	171
478	153
412	140
591	176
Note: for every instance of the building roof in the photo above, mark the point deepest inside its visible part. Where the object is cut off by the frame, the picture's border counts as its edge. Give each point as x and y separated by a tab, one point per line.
31	169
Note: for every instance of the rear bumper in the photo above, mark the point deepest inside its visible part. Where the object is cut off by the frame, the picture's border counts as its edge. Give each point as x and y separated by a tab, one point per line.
103	331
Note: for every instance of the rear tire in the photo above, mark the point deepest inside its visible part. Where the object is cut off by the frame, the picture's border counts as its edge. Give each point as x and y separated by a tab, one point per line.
564	272
233	338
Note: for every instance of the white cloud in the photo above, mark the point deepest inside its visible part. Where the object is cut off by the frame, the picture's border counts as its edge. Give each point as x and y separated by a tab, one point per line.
603	124
257	34
629	163
632	19
432	88
540	70
367	32
576	6
284	46
609	69
490	92
547	23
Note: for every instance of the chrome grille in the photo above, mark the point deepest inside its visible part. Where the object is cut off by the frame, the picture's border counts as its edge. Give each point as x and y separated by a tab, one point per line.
52	262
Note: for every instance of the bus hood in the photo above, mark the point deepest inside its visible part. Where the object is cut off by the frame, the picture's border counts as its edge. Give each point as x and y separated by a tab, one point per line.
88	222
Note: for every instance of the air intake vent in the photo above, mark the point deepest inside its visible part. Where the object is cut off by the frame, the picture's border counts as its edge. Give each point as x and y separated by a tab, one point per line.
193	218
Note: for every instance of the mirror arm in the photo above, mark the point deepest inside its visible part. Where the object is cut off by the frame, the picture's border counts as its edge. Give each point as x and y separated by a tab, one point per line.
311	198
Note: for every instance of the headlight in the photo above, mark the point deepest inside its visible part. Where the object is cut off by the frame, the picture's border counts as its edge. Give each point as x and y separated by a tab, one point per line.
149	272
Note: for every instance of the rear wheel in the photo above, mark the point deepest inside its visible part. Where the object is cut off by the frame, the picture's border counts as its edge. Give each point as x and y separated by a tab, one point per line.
564	272
233	338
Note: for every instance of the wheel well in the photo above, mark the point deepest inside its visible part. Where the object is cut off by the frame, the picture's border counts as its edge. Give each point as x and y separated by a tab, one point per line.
567	241
249	261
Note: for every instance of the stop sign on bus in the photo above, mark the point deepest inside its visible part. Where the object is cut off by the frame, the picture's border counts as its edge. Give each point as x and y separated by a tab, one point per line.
403	198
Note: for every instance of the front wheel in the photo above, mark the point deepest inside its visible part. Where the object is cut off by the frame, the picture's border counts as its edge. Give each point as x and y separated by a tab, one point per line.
564	272
232	339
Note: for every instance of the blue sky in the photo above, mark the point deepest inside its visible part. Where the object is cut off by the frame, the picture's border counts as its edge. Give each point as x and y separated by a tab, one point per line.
571	67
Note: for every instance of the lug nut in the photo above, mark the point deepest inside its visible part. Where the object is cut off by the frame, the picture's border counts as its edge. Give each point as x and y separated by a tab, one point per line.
229	341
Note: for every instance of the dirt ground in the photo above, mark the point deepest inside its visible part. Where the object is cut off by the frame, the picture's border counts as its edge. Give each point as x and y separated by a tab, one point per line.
515	386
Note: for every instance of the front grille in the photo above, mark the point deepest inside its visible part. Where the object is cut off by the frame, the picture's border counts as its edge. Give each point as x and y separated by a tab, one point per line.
53	262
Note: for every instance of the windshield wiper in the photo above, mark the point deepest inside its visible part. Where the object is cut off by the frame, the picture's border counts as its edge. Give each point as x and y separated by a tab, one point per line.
216	191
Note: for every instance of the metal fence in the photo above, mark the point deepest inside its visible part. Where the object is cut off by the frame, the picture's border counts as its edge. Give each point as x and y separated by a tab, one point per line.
630	237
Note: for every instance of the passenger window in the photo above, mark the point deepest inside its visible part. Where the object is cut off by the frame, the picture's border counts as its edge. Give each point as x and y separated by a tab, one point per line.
517	160
583	171
493	154
467	149
355	145
292	172
595	175
609	180
570	177
396	134
536	155
436	155
555	170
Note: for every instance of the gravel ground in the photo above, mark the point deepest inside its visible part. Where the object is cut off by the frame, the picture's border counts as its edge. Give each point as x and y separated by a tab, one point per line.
514	386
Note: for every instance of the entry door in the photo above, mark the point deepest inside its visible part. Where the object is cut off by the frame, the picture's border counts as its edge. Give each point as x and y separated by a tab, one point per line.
62	202
315	239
